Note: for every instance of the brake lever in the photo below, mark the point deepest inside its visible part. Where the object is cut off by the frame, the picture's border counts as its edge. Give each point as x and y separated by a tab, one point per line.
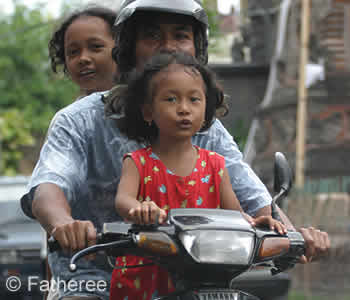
283	264
94	249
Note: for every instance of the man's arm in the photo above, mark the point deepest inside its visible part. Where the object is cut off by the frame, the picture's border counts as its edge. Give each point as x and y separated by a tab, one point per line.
55	180
50	207
53	212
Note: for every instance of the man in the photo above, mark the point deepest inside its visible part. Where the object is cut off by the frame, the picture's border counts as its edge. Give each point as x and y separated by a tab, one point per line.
75	180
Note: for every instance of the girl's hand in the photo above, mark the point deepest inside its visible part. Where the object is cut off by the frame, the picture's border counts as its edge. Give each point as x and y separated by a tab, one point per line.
146	213
272	223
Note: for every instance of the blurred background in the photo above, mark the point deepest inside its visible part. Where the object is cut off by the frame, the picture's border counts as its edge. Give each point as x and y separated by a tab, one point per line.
256	50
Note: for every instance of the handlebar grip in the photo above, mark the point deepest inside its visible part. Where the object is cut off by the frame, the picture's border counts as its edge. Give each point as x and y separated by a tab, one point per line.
296	250
53	244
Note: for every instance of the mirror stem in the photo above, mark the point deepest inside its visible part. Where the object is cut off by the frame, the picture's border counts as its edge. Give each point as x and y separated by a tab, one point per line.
274	202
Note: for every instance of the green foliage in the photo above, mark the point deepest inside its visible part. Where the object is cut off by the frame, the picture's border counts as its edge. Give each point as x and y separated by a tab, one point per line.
15	133
298	295
214	31
239	131
211	9
29	92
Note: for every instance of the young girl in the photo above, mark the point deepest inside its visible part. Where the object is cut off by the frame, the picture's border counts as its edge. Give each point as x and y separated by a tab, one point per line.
82	46
165	104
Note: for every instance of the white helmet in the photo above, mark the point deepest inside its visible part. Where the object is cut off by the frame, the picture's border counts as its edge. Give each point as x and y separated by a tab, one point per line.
125	41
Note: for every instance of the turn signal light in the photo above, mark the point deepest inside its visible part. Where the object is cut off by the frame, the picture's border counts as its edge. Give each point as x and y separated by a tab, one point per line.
157	242
273	246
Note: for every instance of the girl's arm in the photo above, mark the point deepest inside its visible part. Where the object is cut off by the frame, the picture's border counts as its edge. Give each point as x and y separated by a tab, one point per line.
126	202
127	189
228	200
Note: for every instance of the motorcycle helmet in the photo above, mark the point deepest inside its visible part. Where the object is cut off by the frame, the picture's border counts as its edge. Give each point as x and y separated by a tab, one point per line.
125	30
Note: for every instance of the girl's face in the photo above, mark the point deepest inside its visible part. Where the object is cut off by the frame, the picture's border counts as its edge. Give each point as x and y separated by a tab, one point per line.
88	45
178	102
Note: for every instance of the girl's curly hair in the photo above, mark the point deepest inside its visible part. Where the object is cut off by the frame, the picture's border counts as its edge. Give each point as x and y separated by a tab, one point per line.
125	103
125	44
56	44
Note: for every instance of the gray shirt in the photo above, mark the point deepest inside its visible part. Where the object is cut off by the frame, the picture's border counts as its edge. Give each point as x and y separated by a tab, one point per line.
83	156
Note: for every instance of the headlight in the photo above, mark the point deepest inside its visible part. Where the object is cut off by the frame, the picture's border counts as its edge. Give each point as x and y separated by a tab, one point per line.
8	257
219	247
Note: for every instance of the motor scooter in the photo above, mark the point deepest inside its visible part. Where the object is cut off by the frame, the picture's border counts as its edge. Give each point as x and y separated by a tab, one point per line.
205	249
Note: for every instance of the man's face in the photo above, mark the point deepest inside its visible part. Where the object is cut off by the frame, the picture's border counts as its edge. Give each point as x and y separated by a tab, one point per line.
168	32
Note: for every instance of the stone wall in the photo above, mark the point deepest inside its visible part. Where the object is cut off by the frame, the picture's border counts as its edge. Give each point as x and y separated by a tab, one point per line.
331	212
328	108
245	85
325	202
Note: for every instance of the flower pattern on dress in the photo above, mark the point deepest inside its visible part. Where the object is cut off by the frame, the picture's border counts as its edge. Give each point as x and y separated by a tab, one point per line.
192	182
137	283
142	160
162	189
206	179
199	189
154	156
147	179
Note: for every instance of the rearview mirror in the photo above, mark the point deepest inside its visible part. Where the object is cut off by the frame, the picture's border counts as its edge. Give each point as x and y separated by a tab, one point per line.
283	174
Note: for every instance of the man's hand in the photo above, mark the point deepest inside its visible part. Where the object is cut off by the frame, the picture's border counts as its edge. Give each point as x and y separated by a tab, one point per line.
52	210
75	235
317	244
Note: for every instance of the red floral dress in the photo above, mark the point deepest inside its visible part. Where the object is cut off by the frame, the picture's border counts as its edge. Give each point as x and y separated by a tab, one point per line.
200	189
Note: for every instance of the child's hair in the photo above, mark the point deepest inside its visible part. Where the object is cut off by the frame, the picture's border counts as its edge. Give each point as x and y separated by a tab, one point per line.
56	44
130	99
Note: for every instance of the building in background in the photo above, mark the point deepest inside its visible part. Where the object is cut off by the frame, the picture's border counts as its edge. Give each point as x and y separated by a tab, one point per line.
324	202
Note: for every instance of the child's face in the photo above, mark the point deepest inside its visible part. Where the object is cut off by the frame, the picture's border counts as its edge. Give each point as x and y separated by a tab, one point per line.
178	102
88	45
